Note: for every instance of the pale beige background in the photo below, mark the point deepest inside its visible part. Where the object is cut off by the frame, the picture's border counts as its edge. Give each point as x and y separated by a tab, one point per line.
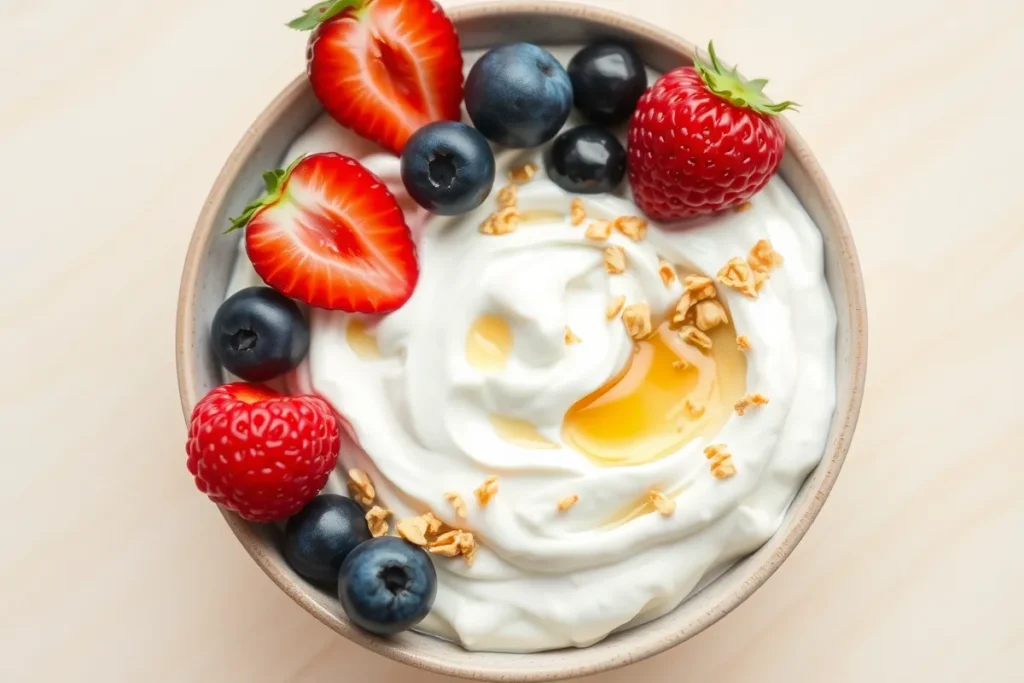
115	117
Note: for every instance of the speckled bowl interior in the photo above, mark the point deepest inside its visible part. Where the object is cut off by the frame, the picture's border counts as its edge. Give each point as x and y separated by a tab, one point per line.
208	267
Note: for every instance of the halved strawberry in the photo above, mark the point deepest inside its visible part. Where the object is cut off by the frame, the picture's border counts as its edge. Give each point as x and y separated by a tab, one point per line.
384	68
329	233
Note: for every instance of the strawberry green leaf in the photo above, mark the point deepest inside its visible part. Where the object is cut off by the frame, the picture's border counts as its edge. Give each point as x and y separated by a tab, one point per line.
733	88
274	181
321	12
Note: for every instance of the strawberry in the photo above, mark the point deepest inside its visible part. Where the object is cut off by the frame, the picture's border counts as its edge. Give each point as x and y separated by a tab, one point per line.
702	139
329	233
384	68
260	453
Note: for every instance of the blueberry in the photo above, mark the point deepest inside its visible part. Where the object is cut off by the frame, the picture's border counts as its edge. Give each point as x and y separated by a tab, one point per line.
518	95
586	160
607	80
319	538
259	333
448	167
387	585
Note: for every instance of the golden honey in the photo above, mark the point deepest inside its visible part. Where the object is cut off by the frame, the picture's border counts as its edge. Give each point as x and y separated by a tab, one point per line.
489	343
657	404
519	432
361	339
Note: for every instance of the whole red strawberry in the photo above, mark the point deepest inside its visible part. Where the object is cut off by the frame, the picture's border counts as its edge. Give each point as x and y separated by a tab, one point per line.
702	139
260	453
384	68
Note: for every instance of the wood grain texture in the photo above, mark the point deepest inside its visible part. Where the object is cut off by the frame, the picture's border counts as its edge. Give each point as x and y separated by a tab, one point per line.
117	115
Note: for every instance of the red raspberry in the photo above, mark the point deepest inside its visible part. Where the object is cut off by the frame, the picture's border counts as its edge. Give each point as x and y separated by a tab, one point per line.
261	453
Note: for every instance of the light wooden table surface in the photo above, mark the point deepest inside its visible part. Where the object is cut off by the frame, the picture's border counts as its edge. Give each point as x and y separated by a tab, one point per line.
115	117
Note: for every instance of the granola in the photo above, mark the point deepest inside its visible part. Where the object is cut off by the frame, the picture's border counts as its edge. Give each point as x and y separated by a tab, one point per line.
693	409
458	504
598	231
710	314
377	521
413	529
743	342
508	196
748	401
763	257
633	227
615	306
662	503
567	502
486	490
667	272
637	318
523	174
738	274
501	222
691	335
721	464
361	488
577	212
615	259
570	337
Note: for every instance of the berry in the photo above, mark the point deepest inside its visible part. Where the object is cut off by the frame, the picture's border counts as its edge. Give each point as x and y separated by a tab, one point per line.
702	140
330	234
260	453
387	585
259	334
448	168
319	538
518	95
384	68
607	80
586	160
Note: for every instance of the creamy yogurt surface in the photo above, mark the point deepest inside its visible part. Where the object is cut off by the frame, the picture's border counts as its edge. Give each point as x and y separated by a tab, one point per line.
473	377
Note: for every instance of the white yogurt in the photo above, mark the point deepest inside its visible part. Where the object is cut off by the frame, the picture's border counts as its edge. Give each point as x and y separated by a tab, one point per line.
544	579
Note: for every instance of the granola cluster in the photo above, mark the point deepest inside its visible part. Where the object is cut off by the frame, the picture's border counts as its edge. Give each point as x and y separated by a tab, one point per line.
502	222
637	319
698	311
523	174
426	530
486	491
360	488
377	521
719	461
665	505
747	276
748	401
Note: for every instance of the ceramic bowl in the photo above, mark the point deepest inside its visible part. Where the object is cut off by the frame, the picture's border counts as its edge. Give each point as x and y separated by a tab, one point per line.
208	266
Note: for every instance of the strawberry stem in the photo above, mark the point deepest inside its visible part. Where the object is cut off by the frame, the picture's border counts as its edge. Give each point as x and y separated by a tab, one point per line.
274	181
321	12
733	88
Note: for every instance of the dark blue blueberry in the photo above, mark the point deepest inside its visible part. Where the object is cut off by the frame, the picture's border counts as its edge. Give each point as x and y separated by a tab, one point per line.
448	167
607	80
319	538
586	160
387	585
518	95
259	333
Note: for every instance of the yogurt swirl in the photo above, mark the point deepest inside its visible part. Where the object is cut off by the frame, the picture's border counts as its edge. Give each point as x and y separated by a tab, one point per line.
422	413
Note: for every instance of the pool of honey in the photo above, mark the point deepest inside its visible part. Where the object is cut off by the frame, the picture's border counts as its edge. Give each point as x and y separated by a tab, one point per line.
669	393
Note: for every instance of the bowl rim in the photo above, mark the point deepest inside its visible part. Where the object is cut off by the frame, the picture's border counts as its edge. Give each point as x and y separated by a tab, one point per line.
610	658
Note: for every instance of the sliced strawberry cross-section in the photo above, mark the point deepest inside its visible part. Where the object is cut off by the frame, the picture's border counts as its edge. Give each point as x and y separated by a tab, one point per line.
384	68
329	233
